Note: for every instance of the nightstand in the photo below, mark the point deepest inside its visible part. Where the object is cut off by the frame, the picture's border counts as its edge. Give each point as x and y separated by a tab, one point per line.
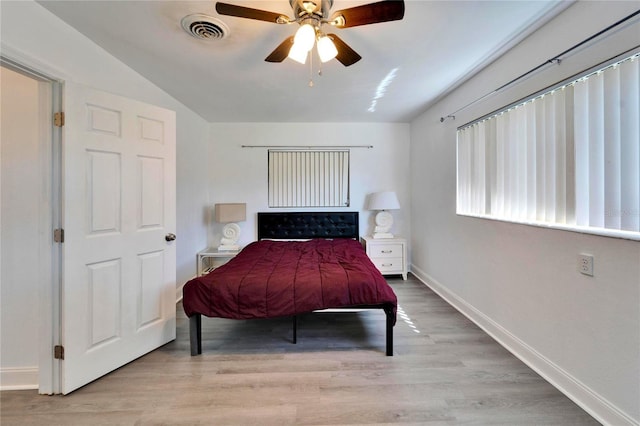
210	258
388	254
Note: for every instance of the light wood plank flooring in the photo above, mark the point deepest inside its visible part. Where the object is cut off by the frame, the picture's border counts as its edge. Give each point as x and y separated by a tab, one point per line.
445	371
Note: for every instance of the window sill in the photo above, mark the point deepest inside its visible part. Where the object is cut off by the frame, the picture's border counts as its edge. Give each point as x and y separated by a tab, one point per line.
603	232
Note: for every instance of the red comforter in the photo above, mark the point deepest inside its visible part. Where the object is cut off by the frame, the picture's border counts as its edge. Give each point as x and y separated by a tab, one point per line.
270	279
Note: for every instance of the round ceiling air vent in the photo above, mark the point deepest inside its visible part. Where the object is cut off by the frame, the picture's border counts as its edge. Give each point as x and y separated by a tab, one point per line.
204	27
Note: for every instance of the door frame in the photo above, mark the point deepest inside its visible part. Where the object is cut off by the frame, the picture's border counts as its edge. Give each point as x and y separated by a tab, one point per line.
49	254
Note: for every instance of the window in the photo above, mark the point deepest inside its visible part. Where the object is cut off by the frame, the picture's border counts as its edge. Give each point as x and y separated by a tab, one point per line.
309	178
568	158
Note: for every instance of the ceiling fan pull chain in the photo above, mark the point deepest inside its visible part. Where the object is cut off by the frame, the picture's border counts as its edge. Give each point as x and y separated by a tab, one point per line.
310	69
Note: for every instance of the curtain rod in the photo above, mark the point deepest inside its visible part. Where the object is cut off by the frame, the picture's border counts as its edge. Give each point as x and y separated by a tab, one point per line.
555	60
634	51
307	146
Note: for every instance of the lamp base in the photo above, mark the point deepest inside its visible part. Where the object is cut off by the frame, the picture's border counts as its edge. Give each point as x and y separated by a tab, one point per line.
384	221
229	241
378	235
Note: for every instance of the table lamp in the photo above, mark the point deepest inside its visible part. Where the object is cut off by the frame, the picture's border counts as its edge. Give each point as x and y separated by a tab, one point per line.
230	213
383	201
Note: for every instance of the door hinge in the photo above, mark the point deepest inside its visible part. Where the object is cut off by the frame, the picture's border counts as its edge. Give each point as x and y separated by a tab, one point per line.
58	119
58	352
58	235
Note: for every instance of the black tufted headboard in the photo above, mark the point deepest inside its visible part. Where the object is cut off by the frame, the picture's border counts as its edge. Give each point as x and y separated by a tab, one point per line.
306	225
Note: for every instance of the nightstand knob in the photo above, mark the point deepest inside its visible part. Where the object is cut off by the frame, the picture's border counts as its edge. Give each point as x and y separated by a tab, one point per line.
170	237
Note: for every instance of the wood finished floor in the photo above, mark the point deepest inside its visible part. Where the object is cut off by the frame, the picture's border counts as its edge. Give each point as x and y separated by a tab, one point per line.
445	371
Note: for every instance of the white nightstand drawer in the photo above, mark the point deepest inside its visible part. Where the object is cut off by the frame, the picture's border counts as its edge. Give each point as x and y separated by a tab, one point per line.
389	255
386	250
389	265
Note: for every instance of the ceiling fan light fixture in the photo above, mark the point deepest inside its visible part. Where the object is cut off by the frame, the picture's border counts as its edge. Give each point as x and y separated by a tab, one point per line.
309	6
305	37
326	48
311	15
298	54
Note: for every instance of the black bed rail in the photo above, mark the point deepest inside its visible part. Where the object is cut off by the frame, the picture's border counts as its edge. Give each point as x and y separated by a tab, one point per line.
195	328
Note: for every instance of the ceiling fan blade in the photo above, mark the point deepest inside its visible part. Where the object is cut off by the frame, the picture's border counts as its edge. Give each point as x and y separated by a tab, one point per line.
372	13
250	13
281	52
346	55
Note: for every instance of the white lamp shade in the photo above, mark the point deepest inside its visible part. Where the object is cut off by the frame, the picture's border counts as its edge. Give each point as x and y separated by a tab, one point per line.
298	54
305	37
386	200
326	49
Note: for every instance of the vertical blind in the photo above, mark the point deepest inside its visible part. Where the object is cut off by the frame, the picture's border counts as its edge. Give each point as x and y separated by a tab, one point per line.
308	178
570	156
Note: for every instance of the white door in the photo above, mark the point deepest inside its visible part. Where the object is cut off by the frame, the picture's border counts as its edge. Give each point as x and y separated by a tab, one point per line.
118	278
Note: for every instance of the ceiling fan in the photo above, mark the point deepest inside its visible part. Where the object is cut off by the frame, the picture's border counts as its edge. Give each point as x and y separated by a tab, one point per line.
311	16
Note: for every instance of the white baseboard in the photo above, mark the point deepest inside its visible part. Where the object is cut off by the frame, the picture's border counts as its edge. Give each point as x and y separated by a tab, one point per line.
18	378
179	294
593	403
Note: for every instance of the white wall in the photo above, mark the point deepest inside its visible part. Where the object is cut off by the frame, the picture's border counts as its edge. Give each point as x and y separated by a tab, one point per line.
21	233
61	52
240	174
519	282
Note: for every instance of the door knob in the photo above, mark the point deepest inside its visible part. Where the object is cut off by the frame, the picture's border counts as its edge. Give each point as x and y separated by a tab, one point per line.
170	237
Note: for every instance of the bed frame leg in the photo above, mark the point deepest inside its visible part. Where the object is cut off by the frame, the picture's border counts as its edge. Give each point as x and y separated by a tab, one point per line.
389	314
195	334
295	329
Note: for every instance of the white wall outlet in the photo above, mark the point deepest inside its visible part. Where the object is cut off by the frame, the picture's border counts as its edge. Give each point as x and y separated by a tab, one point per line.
585	264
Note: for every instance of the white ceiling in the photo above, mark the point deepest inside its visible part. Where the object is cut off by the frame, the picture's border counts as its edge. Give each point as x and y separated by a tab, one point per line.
436	46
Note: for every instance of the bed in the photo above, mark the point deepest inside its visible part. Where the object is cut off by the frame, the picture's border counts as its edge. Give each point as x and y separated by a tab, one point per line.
302	262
